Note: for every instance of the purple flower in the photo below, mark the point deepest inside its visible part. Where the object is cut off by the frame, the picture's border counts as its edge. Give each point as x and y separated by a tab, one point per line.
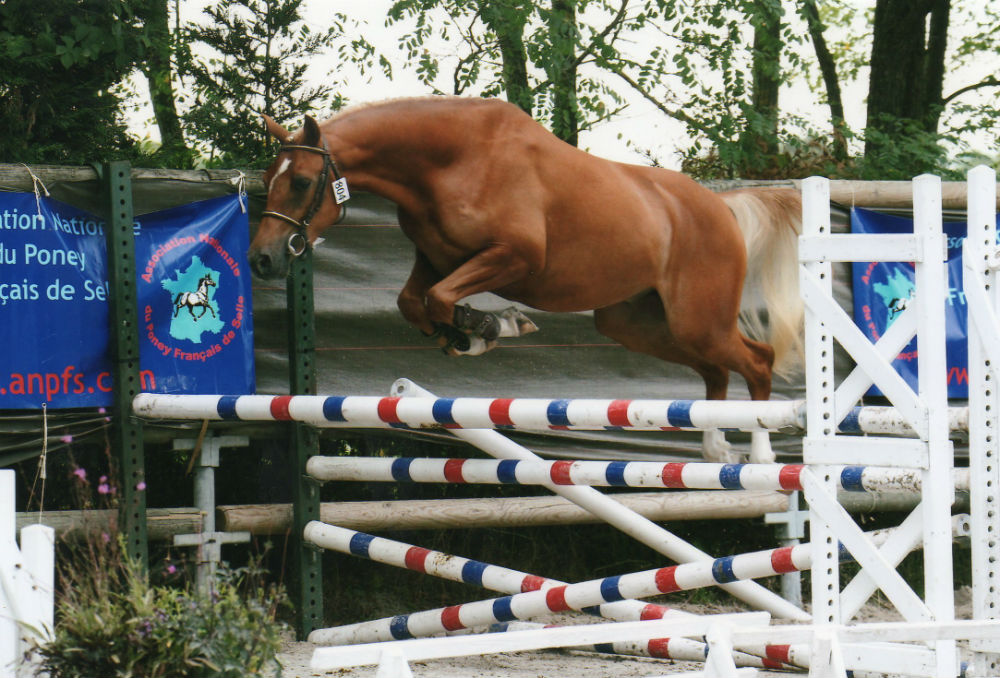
67	439
171	569
106	537
81	474
104	488
141	486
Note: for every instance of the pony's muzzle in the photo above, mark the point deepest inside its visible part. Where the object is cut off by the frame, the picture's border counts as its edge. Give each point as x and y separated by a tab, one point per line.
265	266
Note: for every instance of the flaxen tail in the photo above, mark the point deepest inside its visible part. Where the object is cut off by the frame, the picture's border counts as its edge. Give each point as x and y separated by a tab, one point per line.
771	311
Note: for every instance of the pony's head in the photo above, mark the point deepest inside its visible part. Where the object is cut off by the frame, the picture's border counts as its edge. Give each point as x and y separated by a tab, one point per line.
300	198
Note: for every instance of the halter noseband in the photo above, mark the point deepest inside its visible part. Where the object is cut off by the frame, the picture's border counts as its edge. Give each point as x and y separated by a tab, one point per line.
302	224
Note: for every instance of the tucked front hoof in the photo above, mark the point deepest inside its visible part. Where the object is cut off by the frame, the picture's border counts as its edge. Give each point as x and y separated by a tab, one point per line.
450	338
715	448
476	322
471	347
760	448
455	342
513	323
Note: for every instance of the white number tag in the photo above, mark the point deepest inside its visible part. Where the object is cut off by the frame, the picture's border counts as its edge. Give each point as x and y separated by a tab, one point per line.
340	192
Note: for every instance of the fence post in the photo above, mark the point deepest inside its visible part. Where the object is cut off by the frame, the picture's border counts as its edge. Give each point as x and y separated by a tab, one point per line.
27	575
126	430
304	440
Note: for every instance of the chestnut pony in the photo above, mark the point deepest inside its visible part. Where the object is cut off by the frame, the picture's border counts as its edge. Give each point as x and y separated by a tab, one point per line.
496	203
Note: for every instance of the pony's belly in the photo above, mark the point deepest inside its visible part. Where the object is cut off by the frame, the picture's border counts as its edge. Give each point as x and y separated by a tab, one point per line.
569	297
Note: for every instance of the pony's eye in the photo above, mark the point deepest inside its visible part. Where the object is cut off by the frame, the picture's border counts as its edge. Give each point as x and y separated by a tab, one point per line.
301	183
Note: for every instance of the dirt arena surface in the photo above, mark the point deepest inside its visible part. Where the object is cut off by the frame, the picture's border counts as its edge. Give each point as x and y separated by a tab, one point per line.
537	664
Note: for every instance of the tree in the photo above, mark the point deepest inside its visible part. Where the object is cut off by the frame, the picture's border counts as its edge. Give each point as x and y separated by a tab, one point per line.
580	63
532	52
158	69
766	18
559	59
507	19
262	50
828	68
718	69
909	43
60	62
913	126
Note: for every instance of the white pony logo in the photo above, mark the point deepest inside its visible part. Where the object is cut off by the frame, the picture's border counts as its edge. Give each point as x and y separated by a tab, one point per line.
198	299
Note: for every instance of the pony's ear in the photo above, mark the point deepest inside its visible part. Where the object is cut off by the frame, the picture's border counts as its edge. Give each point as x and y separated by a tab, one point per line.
276	130
311	129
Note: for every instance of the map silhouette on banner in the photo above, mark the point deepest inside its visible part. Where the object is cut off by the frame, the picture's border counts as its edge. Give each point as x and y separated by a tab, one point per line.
193	288
883	290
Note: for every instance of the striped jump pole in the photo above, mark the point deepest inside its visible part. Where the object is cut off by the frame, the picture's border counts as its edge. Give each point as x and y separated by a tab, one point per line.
531	414
640	474
615	514
580	596
676	648
506	580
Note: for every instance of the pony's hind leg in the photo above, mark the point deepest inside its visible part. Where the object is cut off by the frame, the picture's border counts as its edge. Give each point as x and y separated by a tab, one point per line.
643	325
640	325
758	378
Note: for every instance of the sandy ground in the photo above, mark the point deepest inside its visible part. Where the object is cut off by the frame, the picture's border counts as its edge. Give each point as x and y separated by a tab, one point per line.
537	664
295	658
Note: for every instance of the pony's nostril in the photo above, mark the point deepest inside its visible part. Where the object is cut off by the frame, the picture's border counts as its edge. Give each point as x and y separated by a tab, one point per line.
261	264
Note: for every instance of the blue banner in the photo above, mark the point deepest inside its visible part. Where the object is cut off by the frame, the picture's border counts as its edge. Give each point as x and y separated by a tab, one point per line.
882	291
193	286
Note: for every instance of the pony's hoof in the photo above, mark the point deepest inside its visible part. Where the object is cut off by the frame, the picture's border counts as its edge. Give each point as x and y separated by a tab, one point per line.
760	448
451	340
513	323
454	342
476	322
472	346
715	448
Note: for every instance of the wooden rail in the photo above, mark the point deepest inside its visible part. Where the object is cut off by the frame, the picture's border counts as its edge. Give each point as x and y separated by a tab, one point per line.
888	194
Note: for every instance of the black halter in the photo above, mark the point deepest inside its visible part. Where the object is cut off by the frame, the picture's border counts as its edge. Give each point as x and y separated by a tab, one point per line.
302	224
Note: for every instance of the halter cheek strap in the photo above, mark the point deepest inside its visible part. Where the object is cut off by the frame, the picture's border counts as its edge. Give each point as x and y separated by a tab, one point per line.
298	242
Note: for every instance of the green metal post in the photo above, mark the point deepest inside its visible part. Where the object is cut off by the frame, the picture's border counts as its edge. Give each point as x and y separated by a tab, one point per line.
304	444
126	435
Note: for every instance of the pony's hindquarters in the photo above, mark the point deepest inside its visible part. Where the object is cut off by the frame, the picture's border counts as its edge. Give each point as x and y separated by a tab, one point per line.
771	310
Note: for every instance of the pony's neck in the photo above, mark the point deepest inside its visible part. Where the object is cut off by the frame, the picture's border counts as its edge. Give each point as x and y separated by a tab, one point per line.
393	160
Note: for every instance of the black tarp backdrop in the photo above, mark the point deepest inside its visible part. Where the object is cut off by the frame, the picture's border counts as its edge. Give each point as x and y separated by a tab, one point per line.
364	345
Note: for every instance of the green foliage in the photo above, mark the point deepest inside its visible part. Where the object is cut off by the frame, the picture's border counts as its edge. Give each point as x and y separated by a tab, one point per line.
112	623
262	49
528	51
60	63
903	149
715	67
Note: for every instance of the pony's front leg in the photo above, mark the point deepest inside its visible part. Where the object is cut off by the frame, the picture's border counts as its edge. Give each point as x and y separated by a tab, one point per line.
412	299
489	270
